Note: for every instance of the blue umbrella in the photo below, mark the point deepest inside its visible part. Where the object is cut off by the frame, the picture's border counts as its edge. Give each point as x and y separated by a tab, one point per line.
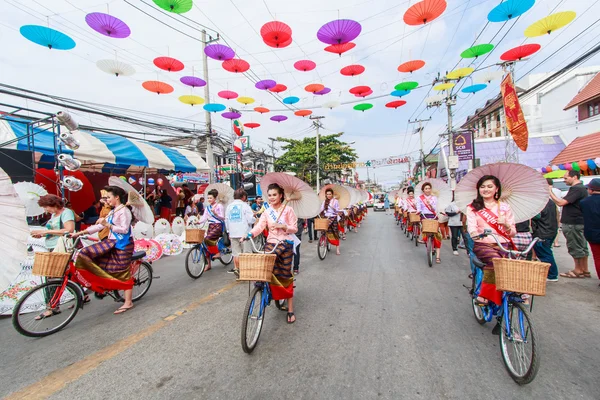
291	100
474	88
47	37
214	107
400	93
509	9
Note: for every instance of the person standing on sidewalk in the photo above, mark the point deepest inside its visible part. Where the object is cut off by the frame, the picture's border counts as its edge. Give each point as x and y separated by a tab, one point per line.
590	207
297	254
310	226
572	224
545	227
455	224
239	218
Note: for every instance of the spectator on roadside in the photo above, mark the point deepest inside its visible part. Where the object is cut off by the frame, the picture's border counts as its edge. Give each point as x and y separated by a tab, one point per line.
590	207
238	221
297	254
157	195
165	205
187	193
180	206
572	224
257	207
151	198
455	224
190	210
545	227
310	227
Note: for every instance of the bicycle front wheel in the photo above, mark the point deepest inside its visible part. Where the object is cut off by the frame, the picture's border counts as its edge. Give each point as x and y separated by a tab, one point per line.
252	321
195	262
430	250
226	256
322	247
416	235
64	304
519	350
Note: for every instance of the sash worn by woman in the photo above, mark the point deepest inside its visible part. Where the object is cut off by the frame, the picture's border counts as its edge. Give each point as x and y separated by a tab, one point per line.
330	209
427	206
410	205
214	214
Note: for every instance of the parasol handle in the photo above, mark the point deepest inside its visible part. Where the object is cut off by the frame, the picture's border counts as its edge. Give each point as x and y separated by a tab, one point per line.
282	210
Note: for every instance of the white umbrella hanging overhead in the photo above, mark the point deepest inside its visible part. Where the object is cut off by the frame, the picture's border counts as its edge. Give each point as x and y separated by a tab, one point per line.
439	189
225	192
140	208
114	67
331	104
488	76
30	193
298	194
340	192
13	232
523	188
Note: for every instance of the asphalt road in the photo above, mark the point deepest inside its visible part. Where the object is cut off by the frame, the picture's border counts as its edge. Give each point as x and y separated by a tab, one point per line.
375	322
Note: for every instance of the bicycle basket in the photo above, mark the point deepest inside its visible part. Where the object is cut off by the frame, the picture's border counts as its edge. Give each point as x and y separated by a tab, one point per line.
405	214
520	276
51	265
414	217
256	267
194	235
322	224
430	226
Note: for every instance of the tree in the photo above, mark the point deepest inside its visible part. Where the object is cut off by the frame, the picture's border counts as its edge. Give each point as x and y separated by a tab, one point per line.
301	157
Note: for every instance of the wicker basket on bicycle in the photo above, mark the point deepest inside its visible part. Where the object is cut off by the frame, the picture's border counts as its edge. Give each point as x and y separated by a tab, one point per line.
520	276
430	226
50	265
194	235
322	224
414	217
405	214
256	267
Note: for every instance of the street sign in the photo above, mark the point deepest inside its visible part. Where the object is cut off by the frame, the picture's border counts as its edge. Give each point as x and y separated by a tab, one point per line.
463	145
245	142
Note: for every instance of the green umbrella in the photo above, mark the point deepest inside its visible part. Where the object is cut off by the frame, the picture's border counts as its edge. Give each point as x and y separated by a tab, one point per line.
363	106
406	86
559	173
175	6
477	51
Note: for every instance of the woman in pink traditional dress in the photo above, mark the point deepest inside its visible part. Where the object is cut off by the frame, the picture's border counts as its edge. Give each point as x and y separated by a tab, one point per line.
487	212
410	205
330	209
283	224
214	213
427	207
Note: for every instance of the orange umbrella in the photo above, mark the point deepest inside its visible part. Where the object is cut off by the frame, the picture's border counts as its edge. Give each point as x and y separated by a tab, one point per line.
314	87
411	66
424	11
158	87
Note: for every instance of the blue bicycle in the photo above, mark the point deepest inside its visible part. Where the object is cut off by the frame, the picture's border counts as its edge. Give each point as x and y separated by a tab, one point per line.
198	256
514	324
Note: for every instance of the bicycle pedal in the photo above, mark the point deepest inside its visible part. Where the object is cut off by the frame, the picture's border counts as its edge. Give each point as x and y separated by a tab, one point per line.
155	277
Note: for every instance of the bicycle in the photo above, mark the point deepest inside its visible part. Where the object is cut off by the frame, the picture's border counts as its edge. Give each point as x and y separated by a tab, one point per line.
197	258
514	320
67	294
416	232
323	246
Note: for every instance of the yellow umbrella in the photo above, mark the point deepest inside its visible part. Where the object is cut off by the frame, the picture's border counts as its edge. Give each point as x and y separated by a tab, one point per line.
191	100
550	23
460	73
245	100
559	173
444	86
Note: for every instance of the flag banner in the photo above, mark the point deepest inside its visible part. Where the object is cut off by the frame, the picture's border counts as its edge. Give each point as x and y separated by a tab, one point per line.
515	120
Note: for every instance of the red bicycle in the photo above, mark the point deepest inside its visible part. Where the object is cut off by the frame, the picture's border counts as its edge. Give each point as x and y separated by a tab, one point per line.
64	296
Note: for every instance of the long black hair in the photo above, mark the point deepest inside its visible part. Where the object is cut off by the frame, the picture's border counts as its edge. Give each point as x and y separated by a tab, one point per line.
477	203
274	186
117	192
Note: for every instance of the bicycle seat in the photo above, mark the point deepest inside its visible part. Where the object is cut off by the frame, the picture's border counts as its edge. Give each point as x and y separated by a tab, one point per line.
138	255
477	262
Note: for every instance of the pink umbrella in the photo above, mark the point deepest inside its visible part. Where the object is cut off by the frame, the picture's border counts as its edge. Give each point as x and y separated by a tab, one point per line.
152	248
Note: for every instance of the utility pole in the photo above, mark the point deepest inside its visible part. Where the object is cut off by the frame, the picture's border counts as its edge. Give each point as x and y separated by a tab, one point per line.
210	158
317	124
452	158
420	122
273	140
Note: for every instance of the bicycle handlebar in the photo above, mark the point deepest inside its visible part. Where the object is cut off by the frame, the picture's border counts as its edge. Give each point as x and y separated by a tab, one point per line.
265	252
488	232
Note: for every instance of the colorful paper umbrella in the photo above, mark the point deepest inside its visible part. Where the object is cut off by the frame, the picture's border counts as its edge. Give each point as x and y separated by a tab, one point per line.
219	52
331	104
191	100
303	113
279	45
340	49
305	65
291	100
411	66
460	73
276	32
364	94
400	93
245	100
550	23
322	92
476	51
434	99
114	67
227	94
168	64
262	110
489	76
395	104
278	88
339	31
360	89
251	125
314	87
231	115
214	107
278	118
509	9
175	6
158	87
363	107
107	25
444	86
520	52
265	84
236	65
192	81
48	37
474	88
424	11
352	70
409	85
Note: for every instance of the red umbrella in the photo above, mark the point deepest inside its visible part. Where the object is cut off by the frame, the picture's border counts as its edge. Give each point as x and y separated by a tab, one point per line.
305	65
158	87
227	94
80	200
276	33
279	45
352	70
236	65
339	49
411	66
424	11
364	94
520	52
261	110
278	88
168	64
395	104
360	90
314	87
303	113
251	125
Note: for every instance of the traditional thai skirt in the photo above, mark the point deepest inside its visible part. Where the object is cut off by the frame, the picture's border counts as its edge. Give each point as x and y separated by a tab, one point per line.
104	260
282	281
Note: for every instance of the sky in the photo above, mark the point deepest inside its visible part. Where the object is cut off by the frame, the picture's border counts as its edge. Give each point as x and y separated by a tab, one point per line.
384	43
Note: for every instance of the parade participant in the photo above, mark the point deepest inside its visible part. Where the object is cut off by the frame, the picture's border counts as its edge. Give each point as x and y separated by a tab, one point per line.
342	223
330	209
238	221
111	258
215	215
427	207
410	205
487	212
106	209
282	223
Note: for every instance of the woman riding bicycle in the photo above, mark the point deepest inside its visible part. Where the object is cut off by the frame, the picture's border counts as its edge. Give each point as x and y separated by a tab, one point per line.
410	205
487	212
330	209
111	258
215	215
427	206
282	223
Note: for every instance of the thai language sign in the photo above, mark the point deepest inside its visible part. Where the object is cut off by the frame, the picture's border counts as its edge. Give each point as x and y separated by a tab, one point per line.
382	162
463	145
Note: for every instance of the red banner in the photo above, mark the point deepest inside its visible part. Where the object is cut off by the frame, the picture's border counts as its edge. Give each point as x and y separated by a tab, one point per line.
515	120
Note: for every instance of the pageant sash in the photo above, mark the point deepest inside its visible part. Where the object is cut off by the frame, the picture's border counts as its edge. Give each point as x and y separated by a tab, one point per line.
424	200
492	220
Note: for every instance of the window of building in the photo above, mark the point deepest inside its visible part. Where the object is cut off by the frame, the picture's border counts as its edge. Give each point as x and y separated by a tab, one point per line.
593	109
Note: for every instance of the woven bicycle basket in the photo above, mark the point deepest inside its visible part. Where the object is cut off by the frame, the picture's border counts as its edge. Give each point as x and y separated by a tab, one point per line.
414	217
256	267
520	276
405	214
430	226
51	265
194	235
322	224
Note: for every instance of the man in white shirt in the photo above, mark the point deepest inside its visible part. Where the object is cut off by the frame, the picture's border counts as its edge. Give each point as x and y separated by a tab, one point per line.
239	218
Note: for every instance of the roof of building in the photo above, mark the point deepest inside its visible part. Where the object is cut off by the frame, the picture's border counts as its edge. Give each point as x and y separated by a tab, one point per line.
581	149
589	92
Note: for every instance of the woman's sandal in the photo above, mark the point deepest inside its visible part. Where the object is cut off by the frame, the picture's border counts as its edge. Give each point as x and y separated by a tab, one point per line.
289	318
122	310
572	275
44	314
438	260
587	274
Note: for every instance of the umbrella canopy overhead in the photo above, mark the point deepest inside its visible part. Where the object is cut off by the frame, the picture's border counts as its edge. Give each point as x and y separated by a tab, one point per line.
303	113
236	65
168	64
411	66
352	70
340	49
251	125
340	193
305	65
158	87
489	76
550	23
460	73
261	110
219	52
225	195
331	104
363	107
107	25
140	208
278	88
175	6
30	193
395	104
265	84
278	118
474	88
116	68
298	194
339	31
400	93
509	9
424	11
245	100
444	86
191	100
192	81
276	34
214	107
314	87
478	50
409	85
47	37
520	52
322	92
227	94
291	100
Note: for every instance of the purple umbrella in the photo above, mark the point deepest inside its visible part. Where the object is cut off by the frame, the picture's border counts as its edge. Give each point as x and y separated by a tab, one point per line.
324	91
266	84
193	81
278	118
219	52
339	31
231	115
108	25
